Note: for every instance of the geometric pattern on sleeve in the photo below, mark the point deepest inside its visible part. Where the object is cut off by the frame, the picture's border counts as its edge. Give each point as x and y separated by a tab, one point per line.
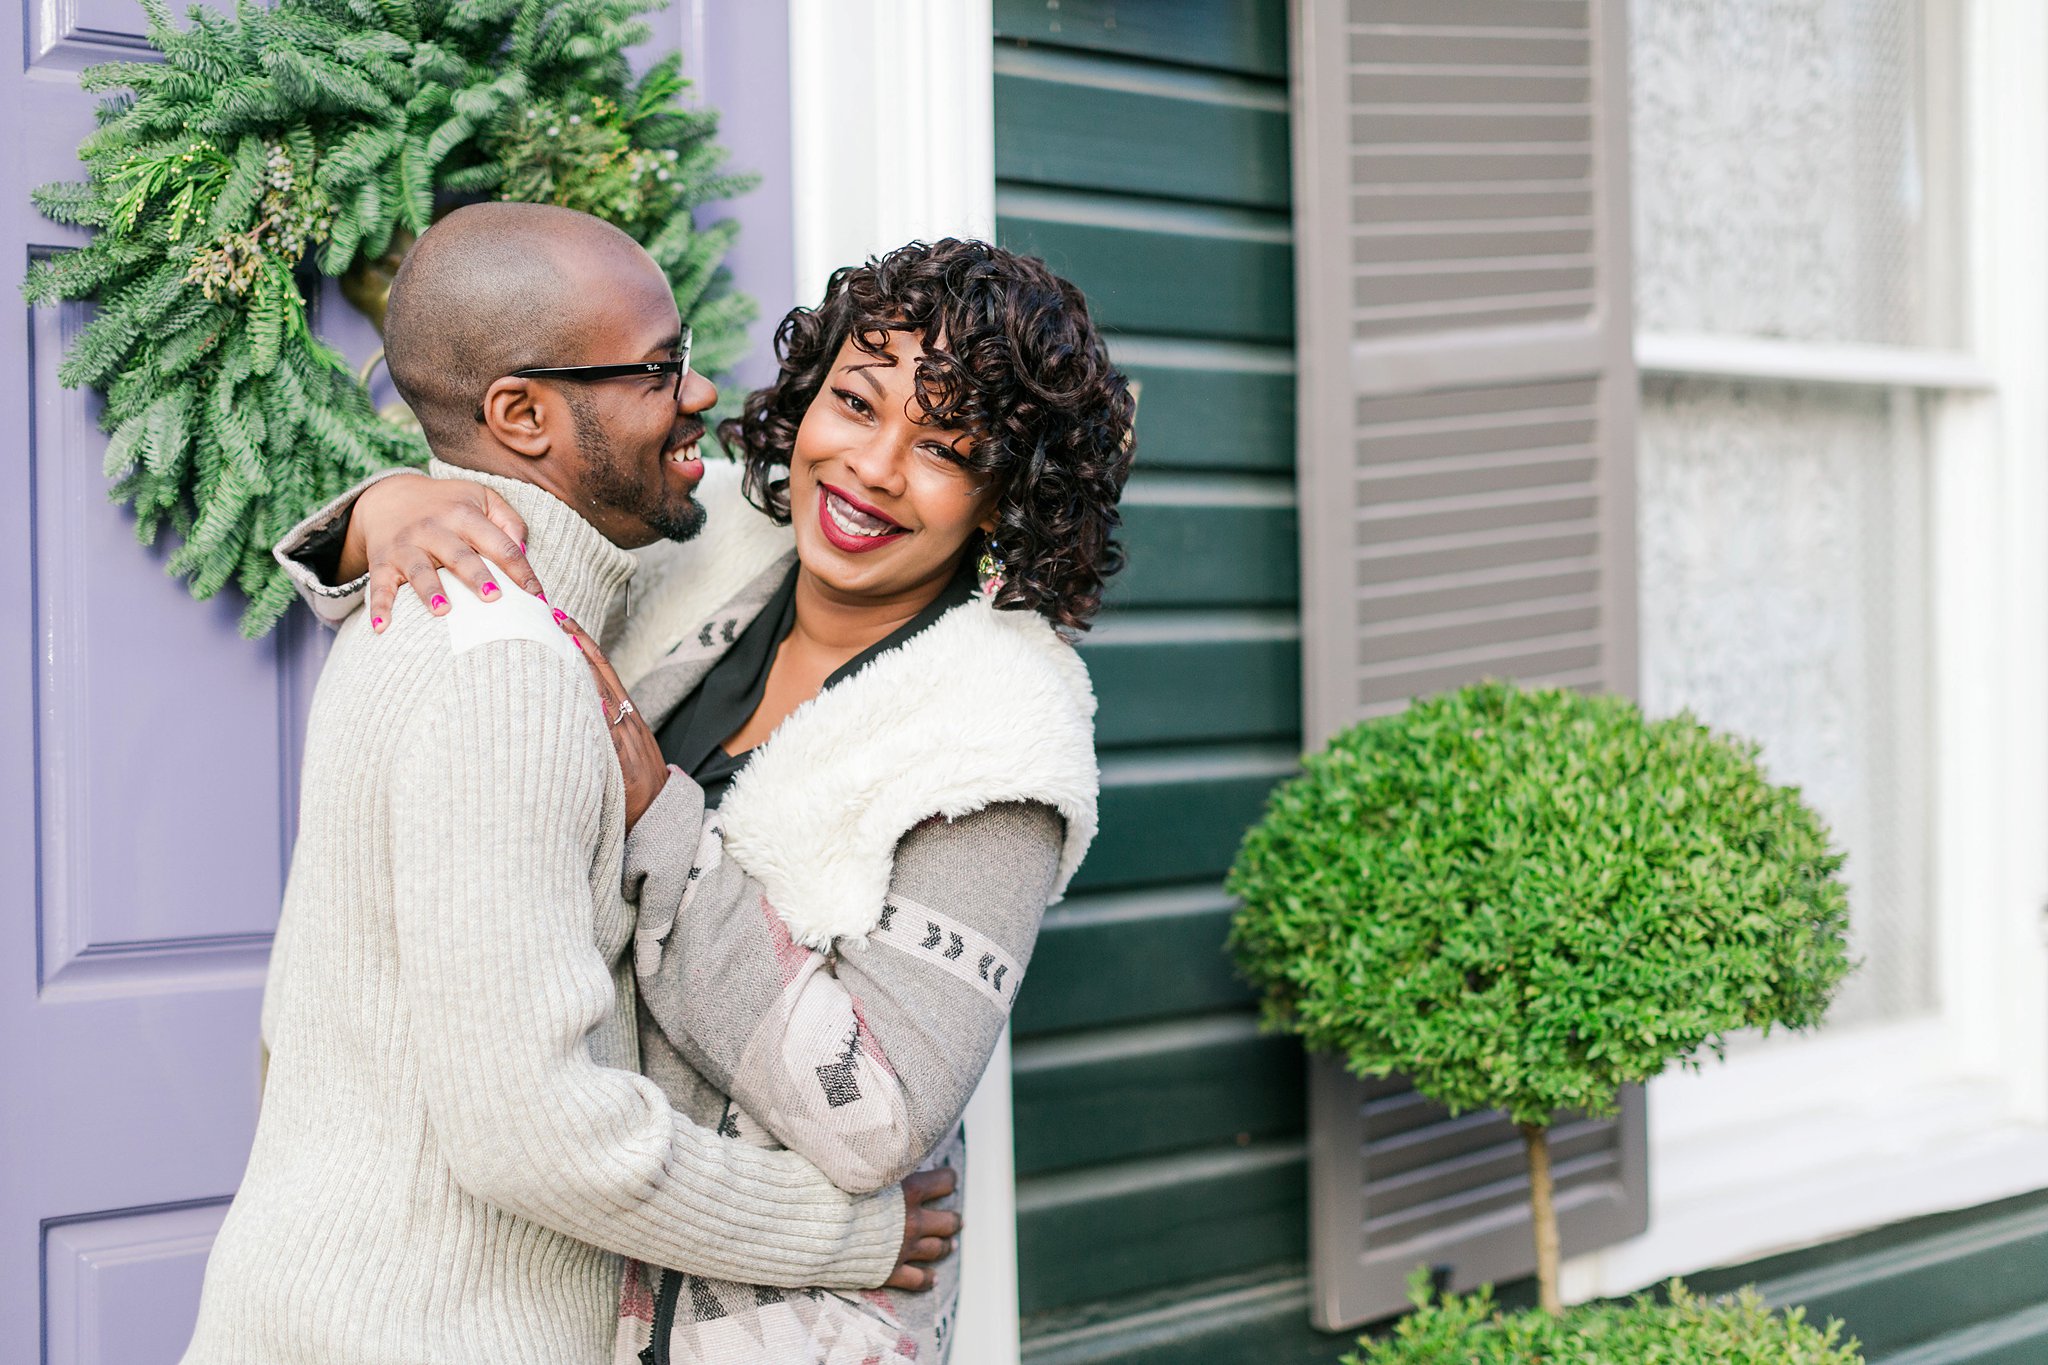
951	946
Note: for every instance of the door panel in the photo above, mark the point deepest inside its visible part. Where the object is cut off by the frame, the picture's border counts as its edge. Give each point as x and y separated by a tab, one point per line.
126	1287
149	756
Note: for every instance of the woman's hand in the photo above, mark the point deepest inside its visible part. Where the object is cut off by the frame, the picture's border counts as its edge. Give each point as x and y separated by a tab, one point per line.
405	527
638	752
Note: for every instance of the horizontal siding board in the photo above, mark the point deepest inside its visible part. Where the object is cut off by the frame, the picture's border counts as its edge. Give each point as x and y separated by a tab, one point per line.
1224	284
1086	136
1943	1288
1211	416
1154	1089
1248	36
1248	689
1117	959
1160	1224
1142	151
1179	820
1219	556
1259	1320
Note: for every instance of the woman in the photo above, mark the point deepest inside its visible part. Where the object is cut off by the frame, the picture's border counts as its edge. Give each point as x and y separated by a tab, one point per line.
859	745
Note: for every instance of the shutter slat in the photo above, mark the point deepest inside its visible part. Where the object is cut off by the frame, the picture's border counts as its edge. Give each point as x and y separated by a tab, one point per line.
1466	511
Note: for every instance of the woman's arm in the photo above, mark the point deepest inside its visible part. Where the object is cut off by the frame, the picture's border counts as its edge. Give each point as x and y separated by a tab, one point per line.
861	1062
401	527
865	1060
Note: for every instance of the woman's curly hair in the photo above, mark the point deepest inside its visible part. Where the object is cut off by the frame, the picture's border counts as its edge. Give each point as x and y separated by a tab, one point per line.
1012	360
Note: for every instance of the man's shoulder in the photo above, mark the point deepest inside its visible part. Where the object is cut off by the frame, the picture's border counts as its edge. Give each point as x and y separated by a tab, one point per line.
472	623
420	659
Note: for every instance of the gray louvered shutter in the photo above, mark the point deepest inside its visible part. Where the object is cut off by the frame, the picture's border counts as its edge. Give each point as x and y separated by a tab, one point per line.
1467	510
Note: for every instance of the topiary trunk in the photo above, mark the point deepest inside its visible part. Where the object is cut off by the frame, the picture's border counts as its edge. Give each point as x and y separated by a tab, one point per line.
1543	1211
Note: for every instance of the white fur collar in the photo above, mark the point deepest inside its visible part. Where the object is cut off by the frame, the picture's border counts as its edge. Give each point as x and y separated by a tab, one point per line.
981	707
984	706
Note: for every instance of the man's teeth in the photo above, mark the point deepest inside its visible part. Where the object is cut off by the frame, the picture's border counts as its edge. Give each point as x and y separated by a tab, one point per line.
855	522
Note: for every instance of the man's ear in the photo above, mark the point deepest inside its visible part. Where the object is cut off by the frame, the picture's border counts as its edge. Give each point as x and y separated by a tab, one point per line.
520	416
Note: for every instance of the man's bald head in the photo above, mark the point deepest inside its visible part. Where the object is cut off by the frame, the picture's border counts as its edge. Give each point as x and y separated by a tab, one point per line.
498	287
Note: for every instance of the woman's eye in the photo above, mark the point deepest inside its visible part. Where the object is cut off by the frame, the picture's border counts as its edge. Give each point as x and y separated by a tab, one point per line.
946	453
854	401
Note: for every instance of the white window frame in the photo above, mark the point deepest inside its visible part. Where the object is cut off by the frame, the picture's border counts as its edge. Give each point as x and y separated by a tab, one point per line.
1799	1140
892	137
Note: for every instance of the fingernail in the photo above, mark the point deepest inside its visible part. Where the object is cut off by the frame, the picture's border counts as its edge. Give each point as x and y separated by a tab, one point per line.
575	641
376	623
541	595
438	602
490	588
522	547
559	618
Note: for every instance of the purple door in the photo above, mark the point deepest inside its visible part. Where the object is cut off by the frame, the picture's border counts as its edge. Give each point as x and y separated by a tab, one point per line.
150	759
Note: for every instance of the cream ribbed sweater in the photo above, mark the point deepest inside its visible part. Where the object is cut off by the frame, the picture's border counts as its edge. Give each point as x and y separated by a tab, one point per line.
453	1142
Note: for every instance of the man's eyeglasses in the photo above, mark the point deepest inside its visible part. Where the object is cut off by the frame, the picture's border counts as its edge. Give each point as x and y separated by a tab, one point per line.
639	369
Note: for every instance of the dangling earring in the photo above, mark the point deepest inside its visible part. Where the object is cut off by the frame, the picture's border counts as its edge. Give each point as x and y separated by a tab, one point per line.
990	570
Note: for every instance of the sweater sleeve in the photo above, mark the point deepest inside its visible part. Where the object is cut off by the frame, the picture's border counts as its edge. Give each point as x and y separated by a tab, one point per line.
305	548
862	1060
497	808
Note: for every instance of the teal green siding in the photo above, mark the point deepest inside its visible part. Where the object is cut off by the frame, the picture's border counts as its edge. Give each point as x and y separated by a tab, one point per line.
1962	1288
1142	149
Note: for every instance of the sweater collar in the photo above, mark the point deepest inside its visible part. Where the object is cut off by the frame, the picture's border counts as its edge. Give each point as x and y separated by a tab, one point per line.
581	570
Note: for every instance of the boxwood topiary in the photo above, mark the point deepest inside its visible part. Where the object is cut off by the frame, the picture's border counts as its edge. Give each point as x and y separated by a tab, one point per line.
1738	1330
1527	899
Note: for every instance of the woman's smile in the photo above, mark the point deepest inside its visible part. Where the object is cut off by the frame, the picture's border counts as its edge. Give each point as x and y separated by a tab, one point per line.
852	526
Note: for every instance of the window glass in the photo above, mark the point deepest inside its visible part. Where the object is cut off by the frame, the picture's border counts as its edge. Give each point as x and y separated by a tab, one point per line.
1782	580
1780	186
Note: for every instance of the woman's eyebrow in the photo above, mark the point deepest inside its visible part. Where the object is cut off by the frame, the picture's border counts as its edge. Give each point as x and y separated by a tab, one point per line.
862	371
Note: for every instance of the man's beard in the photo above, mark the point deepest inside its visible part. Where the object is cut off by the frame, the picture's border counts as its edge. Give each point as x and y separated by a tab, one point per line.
611	482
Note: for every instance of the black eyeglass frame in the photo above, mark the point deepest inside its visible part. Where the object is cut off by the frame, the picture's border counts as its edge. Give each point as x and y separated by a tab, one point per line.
679	367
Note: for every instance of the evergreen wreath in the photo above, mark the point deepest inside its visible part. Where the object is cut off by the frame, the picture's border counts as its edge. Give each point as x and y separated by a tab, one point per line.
316	138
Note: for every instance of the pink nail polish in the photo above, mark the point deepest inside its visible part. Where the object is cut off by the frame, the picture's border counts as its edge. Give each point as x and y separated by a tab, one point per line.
559	617
438	601
576	641
522	547
376	623
490	588
541	595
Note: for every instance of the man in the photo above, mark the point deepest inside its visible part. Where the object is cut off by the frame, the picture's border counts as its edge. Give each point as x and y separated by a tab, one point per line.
454	1150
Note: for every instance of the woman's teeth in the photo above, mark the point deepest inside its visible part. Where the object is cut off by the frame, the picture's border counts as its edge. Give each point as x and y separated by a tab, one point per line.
855	522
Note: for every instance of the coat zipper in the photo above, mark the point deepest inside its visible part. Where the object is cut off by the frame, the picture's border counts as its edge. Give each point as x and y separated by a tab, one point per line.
667	1290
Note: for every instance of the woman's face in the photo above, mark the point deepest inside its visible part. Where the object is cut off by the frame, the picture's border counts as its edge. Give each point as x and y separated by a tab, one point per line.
882	505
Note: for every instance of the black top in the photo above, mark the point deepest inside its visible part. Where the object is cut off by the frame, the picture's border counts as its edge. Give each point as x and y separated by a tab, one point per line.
694	737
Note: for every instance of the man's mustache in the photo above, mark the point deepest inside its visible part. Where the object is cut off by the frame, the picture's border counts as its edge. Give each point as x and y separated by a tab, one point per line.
686	432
